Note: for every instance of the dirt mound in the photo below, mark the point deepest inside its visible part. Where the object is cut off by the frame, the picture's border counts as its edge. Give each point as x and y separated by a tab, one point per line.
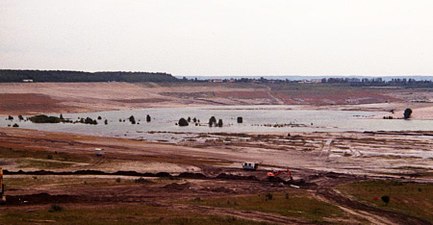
222	190
177	187
226	176
192	175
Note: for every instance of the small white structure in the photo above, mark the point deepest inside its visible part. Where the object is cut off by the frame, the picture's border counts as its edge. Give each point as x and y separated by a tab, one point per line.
250	166
99	152
28	80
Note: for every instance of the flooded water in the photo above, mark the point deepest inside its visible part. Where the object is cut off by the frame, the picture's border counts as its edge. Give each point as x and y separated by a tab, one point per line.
255	119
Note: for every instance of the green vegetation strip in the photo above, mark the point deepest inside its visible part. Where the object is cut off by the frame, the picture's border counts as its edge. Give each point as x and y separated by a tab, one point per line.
41	159
296	204
116	215
412	199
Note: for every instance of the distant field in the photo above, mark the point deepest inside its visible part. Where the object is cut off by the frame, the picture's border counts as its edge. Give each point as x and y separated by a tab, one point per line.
414	199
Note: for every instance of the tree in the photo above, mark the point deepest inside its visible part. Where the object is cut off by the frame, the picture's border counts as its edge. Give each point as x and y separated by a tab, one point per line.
45	119
212	121
148	119
132	119
407	113
20	117
385	199
89	120
220	123
183	122
240	119
105	121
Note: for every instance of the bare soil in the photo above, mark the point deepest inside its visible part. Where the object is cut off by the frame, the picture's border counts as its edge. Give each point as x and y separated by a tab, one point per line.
209	171
33	98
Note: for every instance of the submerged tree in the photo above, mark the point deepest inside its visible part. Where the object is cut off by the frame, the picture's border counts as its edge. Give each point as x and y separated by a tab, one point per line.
183	122
407	113
212	121
132	119
220	123
240	119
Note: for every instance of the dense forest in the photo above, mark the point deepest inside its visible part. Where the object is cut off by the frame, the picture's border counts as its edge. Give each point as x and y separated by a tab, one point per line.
79	76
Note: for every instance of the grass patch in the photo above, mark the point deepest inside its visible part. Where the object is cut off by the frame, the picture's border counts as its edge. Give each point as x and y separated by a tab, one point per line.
409	198
42	159
116	215
42	164
61	182
37	154
295	204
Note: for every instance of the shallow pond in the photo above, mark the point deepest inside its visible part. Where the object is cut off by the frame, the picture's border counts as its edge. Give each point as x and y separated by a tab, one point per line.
255	119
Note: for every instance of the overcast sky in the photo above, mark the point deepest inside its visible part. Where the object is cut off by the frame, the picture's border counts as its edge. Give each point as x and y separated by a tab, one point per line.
220	37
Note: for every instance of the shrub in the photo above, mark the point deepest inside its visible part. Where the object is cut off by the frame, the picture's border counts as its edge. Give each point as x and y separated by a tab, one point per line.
20	117
106	122
46	119
55	208
148	119
268	196
89	120
141	180
15	125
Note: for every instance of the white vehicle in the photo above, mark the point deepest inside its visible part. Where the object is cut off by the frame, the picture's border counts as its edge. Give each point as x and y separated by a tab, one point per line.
99	152
250	165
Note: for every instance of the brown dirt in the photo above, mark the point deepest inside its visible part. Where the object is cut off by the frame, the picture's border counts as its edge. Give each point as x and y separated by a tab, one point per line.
29	103
31	98
216	179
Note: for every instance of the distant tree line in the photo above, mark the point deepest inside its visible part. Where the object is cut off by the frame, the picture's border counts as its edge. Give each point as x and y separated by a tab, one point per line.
377	81
406	82
79	76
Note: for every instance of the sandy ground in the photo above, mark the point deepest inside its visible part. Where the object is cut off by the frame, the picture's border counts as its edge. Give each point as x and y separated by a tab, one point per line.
212	166
211	169
398	154
33	98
